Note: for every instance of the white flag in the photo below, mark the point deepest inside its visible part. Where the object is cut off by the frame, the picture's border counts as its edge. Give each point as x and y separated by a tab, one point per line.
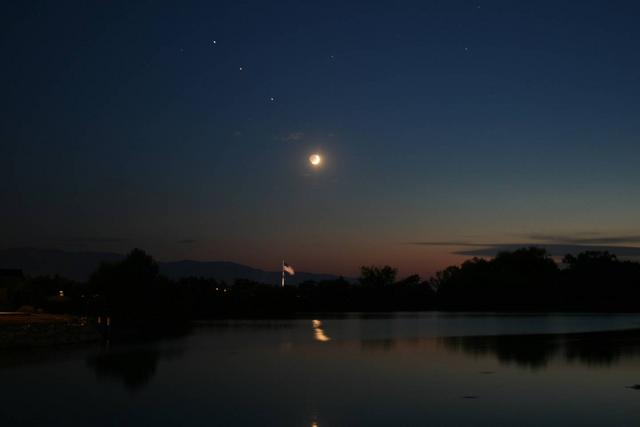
286	267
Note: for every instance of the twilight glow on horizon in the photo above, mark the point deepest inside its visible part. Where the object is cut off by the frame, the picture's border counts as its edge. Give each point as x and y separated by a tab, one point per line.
332	135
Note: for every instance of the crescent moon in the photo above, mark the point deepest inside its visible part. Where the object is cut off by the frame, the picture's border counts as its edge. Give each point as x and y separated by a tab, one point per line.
315	159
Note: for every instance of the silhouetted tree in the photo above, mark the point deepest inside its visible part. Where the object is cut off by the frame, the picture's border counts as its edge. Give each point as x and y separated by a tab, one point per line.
134	288
520	279
412	280
598	280
590	259
443	277
377	276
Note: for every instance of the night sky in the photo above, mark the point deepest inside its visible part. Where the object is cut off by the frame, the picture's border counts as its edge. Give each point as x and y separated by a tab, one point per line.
446	127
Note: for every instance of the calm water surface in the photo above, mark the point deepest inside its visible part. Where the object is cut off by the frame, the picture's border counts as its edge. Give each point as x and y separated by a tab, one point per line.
413	369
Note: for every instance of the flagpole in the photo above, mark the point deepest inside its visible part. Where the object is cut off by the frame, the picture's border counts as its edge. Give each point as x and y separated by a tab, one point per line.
282	272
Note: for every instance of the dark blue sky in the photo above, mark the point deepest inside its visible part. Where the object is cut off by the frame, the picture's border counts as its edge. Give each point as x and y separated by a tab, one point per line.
449	122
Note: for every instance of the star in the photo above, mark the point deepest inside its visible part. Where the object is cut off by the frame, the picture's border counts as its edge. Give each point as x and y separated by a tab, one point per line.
213	41
272	99
240	68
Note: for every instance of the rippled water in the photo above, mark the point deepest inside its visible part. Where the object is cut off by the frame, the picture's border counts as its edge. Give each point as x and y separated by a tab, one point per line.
452	369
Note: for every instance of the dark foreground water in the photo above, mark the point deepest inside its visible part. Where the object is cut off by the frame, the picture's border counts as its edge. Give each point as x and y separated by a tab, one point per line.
420	369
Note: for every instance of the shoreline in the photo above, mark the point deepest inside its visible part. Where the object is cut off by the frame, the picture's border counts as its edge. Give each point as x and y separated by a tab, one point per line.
20	330
25	330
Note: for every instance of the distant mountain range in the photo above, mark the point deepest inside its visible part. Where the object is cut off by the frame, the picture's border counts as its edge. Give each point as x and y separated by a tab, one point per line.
79	266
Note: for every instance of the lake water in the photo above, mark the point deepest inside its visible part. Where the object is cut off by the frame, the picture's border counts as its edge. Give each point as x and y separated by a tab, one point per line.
399	369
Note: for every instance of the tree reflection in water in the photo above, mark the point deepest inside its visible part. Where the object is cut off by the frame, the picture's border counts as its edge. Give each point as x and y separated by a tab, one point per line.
535	351
133	366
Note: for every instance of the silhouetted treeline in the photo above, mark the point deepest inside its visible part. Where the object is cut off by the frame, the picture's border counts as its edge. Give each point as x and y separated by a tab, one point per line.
529	279
53	294
134	289
525	279
251	298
